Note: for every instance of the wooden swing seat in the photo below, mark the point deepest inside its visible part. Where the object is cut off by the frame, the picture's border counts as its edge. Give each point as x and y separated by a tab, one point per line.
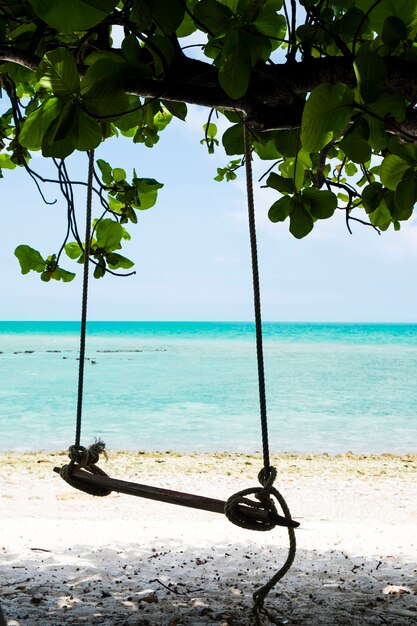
176	497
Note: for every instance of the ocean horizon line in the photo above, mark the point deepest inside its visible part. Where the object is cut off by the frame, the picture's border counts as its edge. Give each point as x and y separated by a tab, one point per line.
211	321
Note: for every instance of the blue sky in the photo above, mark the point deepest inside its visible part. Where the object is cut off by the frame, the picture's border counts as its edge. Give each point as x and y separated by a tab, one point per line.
192	250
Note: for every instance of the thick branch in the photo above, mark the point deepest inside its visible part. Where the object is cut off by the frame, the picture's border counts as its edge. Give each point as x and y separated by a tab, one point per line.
275	98
18	56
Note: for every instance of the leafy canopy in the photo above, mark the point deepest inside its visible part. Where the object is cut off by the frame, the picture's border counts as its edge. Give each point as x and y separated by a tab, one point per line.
327	87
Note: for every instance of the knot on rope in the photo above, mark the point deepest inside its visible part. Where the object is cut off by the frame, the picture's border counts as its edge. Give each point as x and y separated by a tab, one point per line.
85	458
267	477
263	500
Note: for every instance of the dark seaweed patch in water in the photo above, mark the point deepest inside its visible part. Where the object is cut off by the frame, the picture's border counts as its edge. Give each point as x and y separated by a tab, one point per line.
116	351
127	350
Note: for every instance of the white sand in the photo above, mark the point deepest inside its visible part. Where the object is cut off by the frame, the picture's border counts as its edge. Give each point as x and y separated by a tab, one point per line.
69	558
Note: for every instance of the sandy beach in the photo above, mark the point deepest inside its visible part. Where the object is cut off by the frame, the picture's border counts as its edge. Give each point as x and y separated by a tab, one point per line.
69	558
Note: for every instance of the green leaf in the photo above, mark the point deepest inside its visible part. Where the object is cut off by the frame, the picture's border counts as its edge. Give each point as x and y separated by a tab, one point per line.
147	185
6	162
212	15
116	206
162	119
117	261
100	269
163	52
326	114
210	130
106	98
141	14
187	27
398	213
391	105
378	138
352	23
73	250
233	140
249	9
378	12
61	274
168	14
29	259
295	168
108	235
301	222
86	131
129	122
232	4
178	109
351	169
100	69
287	142
406	191
356	148
381	217
147	190
131	48
406	151
394	31
306	33
58	72
38	122
235	71
68	16
269	22
106	171
228	172
73	130
118	174
259	48
372	196
370	72
264	145
321	204
281	209
280	183
392	170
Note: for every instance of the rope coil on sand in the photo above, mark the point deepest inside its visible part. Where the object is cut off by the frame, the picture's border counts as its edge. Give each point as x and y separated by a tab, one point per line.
263	495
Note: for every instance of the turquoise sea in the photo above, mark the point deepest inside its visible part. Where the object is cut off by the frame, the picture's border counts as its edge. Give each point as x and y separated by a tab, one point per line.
193	386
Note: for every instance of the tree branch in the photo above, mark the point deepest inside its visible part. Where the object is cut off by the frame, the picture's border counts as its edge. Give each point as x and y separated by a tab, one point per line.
276	93
20	57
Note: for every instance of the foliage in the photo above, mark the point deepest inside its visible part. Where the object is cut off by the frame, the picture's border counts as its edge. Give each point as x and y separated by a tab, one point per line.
327	88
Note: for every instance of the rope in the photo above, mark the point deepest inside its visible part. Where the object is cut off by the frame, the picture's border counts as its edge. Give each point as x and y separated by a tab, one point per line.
256	297
87	248
264	501
85	458
260	594
263	495
81	457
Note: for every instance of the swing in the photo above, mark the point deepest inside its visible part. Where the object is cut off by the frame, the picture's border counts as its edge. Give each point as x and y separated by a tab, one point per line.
260	513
